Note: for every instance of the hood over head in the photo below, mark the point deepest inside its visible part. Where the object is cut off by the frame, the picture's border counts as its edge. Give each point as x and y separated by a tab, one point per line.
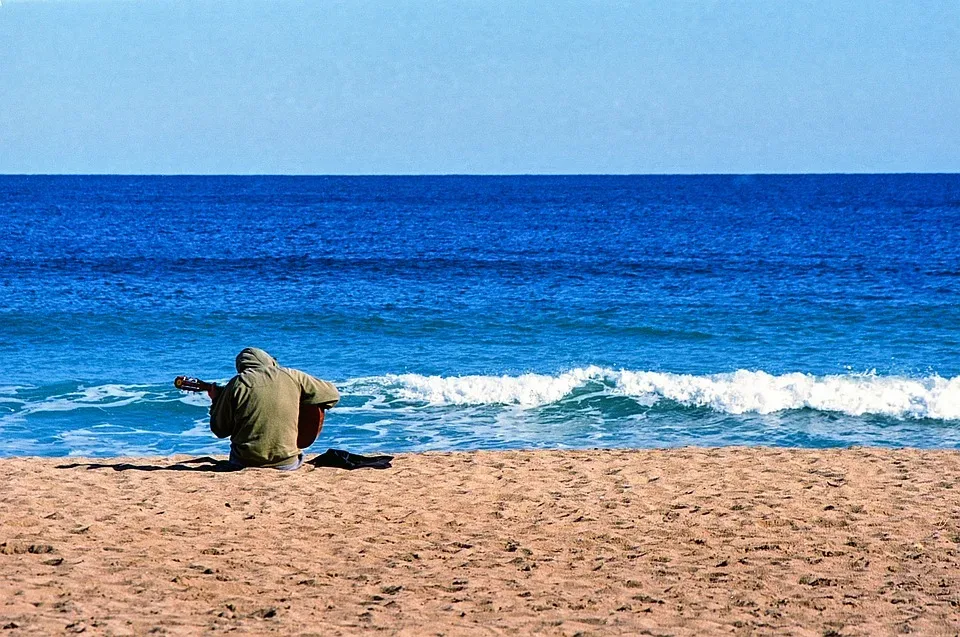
254	357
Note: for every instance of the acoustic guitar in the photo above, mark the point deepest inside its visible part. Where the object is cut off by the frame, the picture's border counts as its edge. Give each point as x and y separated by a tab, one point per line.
309	423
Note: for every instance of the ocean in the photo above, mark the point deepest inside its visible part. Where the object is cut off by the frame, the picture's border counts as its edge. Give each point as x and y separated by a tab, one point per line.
469	312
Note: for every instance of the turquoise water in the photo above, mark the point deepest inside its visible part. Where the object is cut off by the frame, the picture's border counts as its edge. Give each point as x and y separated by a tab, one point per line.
486	312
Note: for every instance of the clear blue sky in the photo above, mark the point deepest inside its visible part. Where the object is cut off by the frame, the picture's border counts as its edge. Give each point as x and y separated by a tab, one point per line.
318	87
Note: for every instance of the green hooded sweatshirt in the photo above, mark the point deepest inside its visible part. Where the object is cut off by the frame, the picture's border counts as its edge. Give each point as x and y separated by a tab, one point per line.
260	406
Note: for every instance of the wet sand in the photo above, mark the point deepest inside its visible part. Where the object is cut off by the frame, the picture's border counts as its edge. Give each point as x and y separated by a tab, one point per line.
675	542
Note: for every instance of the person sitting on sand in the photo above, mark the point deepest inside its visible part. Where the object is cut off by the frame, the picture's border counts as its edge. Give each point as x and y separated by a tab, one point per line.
259	410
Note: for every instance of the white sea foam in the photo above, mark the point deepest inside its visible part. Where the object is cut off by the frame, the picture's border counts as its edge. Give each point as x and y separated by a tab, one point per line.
734	393
759	392
527	390
195	399
583	389
200	428
98	396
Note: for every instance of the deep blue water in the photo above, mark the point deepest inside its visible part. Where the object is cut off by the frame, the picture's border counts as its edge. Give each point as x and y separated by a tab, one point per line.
486	312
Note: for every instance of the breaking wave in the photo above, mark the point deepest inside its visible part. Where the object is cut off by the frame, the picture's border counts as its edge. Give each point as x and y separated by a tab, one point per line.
588	406
737	392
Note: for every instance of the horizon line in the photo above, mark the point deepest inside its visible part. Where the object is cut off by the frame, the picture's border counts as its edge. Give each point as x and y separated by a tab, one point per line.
456	174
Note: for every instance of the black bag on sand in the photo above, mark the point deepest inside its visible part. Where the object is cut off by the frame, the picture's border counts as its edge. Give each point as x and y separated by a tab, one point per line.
340	459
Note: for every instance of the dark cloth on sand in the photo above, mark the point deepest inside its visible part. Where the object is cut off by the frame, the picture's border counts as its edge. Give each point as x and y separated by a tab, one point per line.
340	459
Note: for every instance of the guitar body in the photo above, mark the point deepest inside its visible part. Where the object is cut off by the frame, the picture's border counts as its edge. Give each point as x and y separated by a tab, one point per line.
309	423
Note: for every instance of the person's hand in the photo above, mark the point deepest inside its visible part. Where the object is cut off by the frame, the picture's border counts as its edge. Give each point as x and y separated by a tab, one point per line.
212	392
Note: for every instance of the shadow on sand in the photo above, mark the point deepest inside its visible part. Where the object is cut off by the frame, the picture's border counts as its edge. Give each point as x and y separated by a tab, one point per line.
206	463
331	458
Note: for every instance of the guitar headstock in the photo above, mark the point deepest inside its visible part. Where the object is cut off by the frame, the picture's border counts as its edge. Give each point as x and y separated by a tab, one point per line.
188	383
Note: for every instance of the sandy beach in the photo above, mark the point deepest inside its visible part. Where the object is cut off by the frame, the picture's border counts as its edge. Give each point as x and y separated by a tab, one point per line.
665	542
